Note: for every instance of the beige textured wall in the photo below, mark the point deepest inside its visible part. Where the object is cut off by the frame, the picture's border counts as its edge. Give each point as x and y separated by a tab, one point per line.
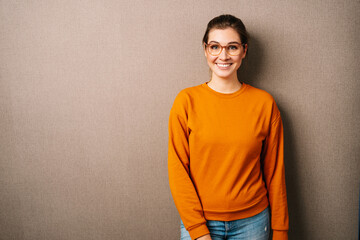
85	92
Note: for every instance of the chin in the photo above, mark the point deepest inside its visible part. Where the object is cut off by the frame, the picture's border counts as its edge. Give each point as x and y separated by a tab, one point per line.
224	75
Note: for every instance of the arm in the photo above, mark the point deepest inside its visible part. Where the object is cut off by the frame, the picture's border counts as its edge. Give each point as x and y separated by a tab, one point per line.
274	174
205	237
182	188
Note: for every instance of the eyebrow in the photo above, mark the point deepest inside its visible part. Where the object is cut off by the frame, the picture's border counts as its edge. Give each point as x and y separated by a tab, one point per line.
228	43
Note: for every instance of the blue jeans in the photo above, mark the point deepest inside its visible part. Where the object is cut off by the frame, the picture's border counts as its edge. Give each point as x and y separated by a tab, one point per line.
253	228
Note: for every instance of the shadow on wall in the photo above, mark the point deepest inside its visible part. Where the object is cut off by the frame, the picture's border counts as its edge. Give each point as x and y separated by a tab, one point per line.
249	72
252	65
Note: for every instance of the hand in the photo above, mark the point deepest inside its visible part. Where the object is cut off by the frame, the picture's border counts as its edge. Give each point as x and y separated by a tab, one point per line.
205	237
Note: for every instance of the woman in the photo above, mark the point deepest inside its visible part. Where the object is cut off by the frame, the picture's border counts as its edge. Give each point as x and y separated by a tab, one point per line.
225	159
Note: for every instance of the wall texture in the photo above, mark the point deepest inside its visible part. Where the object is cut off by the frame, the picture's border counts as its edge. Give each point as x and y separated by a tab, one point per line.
85	92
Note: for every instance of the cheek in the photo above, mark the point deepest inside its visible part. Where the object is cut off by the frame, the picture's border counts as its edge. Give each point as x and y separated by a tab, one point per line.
211	59
238	60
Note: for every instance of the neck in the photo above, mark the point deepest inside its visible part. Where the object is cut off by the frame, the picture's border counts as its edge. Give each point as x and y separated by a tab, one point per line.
224	85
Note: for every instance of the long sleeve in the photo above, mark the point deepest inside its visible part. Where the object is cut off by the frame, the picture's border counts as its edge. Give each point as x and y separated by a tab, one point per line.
274	173
182	188
215	142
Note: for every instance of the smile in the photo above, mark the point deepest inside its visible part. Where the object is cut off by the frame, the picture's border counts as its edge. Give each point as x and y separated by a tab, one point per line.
223	65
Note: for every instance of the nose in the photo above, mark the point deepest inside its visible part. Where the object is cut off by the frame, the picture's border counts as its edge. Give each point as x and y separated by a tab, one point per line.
223	55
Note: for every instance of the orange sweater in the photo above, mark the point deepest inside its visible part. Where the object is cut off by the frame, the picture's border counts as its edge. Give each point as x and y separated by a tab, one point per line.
225	157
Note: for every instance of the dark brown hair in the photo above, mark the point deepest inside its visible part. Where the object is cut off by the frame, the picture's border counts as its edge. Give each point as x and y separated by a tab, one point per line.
225	21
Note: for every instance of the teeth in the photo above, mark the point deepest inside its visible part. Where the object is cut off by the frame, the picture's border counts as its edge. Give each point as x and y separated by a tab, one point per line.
223	65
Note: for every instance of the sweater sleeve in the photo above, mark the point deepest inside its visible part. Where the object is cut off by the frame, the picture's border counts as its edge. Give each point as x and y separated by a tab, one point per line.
182	188
274	174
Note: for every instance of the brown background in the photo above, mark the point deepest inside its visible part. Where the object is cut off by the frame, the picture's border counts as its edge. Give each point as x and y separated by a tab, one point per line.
85	92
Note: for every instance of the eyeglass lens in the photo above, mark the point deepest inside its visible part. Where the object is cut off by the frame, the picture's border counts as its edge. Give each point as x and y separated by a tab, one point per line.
232	49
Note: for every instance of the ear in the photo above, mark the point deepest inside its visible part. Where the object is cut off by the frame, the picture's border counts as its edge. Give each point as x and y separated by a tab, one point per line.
204	46
245	49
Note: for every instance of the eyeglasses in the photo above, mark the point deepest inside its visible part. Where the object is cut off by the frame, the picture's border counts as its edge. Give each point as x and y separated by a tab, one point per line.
232	49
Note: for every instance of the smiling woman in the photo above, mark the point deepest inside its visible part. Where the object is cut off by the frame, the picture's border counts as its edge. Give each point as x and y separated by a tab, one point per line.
225	158
230	31
224	64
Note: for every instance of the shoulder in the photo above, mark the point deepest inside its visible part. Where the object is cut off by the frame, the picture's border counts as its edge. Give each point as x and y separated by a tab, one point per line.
190	91
184	97
260	94
186	94
264	99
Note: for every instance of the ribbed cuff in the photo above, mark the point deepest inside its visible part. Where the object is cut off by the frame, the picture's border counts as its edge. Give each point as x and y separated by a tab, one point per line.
280	235
198	231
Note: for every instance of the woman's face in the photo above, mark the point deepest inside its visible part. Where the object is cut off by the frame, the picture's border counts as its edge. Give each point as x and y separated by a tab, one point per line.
224	65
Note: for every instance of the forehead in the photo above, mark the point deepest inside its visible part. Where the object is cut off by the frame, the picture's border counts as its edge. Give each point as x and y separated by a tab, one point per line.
224	36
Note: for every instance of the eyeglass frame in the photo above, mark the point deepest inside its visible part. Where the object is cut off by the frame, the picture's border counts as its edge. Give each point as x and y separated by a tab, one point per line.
222	47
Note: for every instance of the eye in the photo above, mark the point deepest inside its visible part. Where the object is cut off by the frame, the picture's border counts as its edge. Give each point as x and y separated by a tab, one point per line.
233	47
214	46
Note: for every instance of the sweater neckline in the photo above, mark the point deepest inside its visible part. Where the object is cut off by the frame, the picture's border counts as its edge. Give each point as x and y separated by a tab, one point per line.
225	95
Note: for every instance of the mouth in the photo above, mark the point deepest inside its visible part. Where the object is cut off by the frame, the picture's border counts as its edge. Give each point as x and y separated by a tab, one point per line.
223	65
